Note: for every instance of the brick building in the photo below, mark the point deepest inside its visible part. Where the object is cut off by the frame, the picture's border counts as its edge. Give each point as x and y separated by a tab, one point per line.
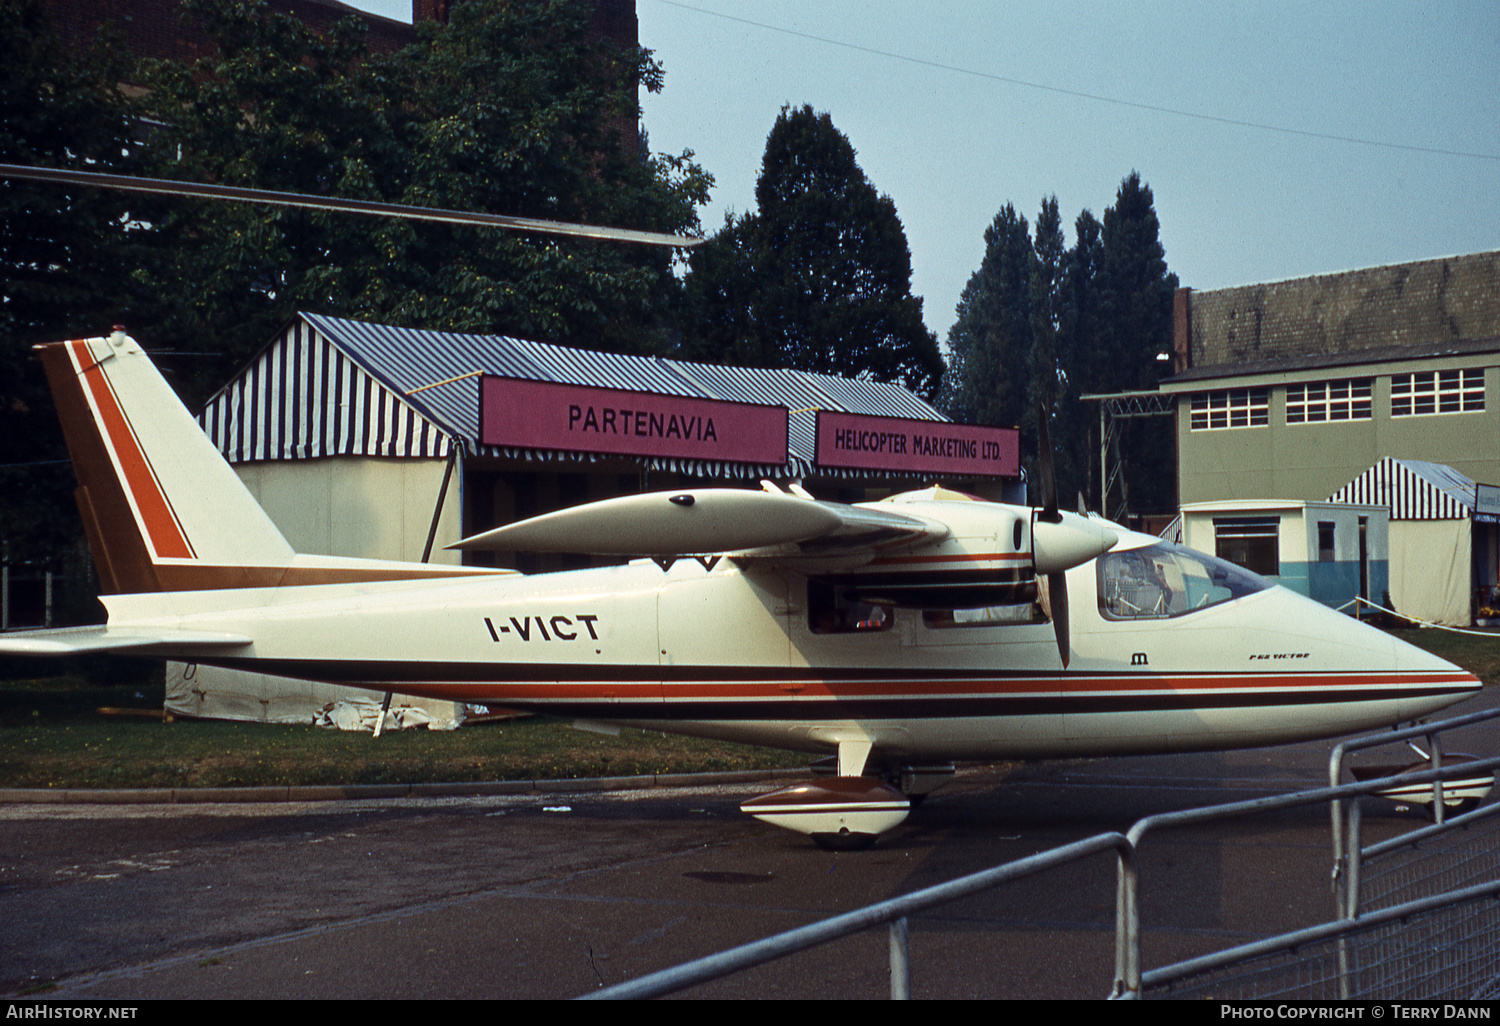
155	29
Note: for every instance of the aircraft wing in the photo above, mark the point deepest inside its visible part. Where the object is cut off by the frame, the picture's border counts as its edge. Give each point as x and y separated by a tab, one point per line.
711	521
76	640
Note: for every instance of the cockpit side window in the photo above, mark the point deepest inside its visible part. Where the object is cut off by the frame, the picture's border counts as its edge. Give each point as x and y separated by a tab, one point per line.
1162	581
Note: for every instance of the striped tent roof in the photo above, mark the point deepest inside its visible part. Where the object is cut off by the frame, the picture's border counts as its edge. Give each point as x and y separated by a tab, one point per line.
329	386
1413	489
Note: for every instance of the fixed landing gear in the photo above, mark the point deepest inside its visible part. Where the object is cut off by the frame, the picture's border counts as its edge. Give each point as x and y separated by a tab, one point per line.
1460	794
848	811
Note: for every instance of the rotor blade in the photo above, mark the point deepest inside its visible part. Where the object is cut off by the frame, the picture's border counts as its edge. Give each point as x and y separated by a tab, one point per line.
1057	596
348	206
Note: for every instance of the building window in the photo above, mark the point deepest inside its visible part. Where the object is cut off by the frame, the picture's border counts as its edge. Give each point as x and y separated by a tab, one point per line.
1323	401
1325	542
1250	542
1234	408
1428	392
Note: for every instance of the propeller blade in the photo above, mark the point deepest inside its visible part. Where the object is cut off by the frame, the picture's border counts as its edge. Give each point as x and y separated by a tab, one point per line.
1057	545
1057	595
1049	477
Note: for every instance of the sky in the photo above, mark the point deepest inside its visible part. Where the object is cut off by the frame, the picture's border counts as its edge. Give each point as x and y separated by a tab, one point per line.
1280	138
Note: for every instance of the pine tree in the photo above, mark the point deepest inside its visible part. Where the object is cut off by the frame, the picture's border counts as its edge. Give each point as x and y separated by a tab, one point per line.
990	342
1076	439
819	278
1135	333
1047	389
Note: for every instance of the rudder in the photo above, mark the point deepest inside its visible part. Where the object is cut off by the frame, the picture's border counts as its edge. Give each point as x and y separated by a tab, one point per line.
162	509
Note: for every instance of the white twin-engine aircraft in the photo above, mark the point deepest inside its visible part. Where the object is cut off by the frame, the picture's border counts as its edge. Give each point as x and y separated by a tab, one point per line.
890	637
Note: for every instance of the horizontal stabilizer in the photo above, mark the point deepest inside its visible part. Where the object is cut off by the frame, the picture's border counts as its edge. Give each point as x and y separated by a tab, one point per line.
701	521
77	640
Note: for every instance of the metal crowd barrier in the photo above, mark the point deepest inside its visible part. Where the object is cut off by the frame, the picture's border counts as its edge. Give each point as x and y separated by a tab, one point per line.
1130	980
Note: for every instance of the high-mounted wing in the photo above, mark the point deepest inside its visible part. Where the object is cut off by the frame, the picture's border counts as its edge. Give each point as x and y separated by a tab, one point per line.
75	640
917	549
709	521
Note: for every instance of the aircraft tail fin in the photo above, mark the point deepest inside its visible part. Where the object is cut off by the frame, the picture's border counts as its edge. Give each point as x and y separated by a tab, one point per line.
162	509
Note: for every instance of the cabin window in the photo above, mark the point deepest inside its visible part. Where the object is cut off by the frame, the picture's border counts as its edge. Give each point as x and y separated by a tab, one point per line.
1250	542
1163	580
985	616
832	610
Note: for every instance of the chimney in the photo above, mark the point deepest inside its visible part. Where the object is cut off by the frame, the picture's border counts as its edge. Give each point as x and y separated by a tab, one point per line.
1182	329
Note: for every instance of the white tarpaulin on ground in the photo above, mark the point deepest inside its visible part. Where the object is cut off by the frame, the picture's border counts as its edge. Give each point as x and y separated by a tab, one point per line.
213	693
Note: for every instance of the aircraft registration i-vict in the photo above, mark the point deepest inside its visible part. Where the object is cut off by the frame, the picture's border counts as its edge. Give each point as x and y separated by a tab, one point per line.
893	637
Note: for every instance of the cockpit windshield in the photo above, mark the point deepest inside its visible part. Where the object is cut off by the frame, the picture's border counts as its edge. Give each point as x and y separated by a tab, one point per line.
1166	580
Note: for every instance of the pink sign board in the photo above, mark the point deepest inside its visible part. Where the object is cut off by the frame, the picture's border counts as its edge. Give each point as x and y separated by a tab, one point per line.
579	418
859	442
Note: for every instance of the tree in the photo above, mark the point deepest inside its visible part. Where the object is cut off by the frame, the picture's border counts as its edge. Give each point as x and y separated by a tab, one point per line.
511	108
819	278
1047	389
720	305
1040	325
62	249
1075	440
1135	289
990	342
1135	334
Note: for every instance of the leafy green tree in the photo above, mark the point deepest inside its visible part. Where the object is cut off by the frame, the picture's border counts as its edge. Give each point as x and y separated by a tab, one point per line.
511	108
819	278
720	311
518	111
990	342
62	249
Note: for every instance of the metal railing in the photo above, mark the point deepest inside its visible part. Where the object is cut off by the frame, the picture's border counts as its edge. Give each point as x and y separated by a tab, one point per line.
894	911
1134	982
1130	980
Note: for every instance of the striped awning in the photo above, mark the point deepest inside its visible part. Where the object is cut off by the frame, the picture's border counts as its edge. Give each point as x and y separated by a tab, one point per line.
1413	489
332	387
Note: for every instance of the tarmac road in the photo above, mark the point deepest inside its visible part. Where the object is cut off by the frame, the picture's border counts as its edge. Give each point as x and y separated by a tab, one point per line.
552	896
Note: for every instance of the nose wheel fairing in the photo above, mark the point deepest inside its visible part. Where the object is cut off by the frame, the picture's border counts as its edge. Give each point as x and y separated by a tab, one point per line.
841	813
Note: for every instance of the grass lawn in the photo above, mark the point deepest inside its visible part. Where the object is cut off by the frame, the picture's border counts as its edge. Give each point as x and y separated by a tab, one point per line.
74	732
85	732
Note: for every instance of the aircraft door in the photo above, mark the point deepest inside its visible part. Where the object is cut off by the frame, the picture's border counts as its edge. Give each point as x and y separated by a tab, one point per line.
715	625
